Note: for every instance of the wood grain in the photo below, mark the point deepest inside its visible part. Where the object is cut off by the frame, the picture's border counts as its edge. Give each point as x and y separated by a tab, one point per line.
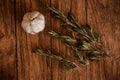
57	45
67	6
8	68
32	66
104	16
18	62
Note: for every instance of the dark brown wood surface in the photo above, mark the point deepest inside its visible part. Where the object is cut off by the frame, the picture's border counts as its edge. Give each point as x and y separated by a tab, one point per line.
17	62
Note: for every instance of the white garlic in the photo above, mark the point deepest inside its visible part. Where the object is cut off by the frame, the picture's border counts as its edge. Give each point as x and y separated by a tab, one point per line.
33	22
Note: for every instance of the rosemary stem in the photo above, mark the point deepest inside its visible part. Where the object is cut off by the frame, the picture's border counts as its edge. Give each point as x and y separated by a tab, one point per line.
68	64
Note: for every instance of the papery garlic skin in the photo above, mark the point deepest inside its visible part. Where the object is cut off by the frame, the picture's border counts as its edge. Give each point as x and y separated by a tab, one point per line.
33	22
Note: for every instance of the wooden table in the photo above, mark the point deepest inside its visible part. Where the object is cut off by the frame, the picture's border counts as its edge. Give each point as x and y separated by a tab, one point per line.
17	62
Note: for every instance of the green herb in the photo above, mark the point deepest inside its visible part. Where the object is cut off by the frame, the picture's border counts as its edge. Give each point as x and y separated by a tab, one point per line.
68	64
88	47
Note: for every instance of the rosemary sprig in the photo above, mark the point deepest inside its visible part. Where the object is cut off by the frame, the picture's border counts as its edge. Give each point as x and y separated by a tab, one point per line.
66	39
68	64
89	47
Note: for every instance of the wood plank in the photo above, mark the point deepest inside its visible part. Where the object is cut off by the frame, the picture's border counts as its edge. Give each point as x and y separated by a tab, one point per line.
57	45
77	7
32	66
104	15
8	68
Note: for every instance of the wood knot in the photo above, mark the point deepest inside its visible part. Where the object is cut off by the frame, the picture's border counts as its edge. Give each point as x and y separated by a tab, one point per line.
1	35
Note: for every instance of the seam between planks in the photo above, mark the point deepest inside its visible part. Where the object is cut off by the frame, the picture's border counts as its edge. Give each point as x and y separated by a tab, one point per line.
16	40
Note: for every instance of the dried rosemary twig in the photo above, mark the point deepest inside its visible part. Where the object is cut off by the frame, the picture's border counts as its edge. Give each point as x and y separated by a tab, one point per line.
66	39
89	47
68	64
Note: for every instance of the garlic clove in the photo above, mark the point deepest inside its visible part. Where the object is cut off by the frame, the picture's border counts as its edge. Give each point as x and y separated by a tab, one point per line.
34	14
33	22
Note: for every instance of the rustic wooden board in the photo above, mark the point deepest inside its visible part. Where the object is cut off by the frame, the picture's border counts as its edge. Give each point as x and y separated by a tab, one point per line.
18	62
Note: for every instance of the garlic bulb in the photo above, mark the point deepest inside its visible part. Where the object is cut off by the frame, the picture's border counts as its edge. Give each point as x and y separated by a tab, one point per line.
33	22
